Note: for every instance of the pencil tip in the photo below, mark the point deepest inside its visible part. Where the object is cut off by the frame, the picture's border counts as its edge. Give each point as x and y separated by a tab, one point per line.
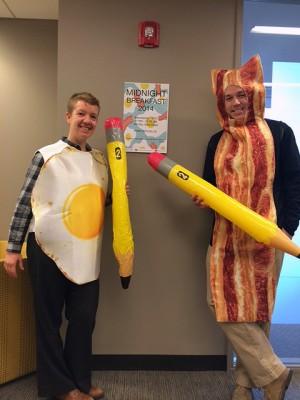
125	280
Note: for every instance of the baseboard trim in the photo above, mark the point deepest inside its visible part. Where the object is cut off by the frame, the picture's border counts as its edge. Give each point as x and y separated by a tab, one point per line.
126	362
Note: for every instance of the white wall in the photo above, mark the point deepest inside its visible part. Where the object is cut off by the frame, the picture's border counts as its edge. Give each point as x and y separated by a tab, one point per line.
28	102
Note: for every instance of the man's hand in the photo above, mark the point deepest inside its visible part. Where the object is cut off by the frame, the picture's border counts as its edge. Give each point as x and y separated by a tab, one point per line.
199	202
10	263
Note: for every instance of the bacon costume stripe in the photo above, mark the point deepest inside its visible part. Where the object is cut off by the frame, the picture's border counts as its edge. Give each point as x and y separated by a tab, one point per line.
242	270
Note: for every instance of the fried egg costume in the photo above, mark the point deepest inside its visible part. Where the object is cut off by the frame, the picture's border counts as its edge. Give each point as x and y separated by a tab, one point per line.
68	202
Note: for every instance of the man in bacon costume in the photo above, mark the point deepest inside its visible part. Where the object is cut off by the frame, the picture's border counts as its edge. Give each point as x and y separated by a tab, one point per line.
257	162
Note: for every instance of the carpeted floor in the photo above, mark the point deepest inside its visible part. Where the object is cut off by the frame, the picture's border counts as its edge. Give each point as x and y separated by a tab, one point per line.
153	385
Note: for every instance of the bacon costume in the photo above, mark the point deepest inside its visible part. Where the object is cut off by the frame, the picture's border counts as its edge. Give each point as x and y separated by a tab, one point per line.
257	162
242	271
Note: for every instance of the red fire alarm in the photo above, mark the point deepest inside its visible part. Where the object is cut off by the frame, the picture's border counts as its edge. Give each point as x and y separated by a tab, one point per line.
148	34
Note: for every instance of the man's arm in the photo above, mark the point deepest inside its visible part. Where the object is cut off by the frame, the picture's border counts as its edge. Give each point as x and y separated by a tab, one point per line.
21	218
290	181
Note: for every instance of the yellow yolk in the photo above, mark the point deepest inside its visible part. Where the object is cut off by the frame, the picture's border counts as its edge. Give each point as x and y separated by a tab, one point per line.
83	211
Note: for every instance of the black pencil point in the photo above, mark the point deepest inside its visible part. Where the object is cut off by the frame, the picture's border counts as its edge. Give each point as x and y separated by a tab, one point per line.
125	280
298	256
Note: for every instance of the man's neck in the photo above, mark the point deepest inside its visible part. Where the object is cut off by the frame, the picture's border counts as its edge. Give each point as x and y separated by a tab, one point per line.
81	144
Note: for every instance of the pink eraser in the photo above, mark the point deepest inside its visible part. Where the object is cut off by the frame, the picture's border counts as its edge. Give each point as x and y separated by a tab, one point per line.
154	159
113	122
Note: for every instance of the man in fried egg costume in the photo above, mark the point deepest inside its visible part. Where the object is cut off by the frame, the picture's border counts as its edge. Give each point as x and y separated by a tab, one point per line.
61	205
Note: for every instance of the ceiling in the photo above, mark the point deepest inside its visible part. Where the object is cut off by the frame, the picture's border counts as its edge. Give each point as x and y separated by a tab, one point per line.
36	9
48	9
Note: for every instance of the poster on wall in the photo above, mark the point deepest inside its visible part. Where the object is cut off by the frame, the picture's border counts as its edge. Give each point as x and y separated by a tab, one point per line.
145	117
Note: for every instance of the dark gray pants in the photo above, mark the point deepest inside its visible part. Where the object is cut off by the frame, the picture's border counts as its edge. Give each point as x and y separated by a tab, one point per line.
61	365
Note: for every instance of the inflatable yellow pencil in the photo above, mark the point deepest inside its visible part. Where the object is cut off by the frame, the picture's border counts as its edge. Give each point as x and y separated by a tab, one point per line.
255	225
122	233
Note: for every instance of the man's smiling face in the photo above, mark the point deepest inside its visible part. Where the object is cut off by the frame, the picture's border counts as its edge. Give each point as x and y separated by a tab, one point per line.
236	103
82	121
